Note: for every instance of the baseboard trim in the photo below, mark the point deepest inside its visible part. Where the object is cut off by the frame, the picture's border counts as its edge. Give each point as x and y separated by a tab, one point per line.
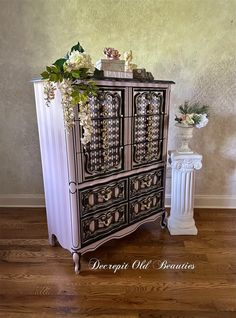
22	200
210	201
201	201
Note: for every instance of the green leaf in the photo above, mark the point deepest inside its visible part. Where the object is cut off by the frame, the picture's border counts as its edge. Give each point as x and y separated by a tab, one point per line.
74	94
60	78
76	74
59	63
67	75
53	77
194	108
196	118
83	98
56	69
45	75
77	47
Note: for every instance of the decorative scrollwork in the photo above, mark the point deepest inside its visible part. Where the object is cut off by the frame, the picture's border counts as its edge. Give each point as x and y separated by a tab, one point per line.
105	104
147	152
186	164
100	161
146	182
103	153
145	206
105	195
148	102
148	107
103	223
101	196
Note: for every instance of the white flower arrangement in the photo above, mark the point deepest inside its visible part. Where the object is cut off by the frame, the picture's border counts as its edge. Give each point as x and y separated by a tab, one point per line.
72	75
193	115
77	61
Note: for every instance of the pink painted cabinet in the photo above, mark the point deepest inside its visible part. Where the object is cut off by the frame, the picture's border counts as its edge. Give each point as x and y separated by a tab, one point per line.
111	186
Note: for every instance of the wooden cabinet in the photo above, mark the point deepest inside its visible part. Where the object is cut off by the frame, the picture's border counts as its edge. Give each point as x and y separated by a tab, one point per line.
115	183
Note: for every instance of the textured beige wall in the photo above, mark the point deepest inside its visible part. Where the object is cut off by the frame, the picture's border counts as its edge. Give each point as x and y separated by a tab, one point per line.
192	42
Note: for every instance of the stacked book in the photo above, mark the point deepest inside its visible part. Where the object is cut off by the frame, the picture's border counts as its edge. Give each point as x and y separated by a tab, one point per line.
113	68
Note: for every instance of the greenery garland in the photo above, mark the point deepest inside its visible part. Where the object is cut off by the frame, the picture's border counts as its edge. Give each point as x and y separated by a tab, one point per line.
72	75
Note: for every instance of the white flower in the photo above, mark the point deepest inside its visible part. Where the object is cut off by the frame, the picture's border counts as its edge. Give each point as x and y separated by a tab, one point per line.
49	91
77	61
203	121
187	119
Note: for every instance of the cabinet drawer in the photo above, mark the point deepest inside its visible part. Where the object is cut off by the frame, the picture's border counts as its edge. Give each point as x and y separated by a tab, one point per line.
145	206
102	196
102	161
103	224
141	183
148	101
147	153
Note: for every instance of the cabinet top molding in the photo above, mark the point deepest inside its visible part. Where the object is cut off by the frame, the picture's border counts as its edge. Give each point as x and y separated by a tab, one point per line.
109	79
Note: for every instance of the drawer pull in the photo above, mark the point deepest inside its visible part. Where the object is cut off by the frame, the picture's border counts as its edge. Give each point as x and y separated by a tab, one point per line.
105	195
106	222
146	182
103	223
146	205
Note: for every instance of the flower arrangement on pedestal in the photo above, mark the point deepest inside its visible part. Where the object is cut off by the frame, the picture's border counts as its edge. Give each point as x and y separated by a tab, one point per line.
72	74
191	115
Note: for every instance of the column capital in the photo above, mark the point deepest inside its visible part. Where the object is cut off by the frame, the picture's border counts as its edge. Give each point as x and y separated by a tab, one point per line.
182	162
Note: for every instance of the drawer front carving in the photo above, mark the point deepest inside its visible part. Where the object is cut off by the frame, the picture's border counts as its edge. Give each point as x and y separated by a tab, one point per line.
102	196
107	119
106	103
148	115
103	224
147	128
102	162
147	153
144	182
148	102
145	206
107	132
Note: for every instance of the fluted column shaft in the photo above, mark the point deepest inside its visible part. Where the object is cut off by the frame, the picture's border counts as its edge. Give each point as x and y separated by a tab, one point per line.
181	219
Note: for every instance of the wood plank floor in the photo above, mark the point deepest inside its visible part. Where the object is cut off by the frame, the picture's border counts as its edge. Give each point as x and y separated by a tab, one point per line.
37	280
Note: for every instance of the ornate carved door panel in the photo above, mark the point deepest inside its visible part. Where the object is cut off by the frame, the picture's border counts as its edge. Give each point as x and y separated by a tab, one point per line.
104	155
148	118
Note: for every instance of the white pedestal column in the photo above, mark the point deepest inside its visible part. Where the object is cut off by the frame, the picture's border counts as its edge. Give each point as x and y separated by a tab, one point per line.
181	221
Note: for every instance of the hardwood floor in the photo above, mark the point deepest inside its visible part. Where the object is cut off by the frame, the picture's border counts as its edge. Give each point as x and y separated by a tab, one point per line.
37	280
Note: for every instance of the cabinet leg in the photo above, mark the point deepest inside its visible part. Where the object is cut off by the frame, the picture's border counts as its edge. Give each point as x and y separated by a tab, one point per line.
163	222
52	239
76	258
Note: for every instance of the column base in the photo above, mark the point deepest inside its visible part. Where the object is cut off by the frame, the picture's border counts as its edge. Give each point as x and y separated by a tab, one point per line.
184	228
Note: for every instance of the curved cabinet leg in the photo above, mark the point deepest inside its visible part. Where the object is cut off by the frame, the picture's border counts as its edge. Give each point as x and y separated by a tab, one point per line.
76	258
163	222
52	239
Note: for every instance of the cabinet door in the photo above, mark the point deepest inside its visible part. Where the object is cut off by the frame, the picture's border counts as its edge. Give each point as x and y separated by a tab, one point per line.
148	120
104	155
